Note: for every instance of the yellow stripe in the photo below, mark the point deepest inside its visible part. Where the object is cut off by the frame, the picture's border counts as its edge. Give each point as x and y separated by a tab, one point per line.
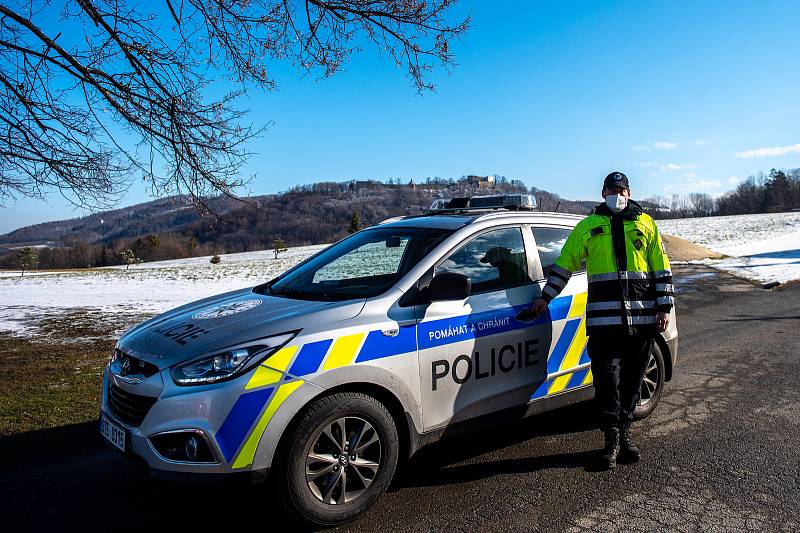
245	457
588	378
578	307
558	384
280	361
571	359
343	351
263	376
575	348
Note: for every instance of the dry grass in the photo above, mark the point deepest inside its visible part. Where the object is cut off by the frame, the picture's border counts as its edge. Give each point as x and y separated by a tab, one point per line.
52	379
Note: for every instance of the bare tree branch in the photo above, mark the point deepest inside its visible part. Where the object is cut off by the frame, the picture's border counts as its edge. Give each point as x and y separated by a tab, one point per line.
152	91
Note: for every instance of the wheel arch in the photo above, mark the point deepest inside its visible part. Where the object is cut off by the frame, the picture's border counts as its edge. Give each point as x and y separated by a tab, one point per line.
409	437
667	355
382	384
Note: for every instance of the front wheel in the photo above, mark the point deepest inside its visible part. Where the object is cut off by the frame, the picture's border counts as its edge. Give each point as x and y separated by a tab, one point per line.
337	459
652	384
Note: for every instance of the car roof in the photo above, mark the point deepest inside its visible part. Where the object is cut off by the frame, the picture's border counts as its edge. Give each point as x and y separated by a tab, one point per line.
459	220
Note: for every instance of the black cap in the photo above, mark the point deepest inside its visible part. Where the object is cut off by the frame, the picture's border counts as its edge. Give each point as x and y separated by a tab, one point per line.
616	179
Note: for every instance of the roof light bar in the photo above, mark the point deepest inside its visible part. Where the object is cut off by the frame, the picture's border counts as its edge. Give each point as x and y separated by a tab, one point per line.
513	202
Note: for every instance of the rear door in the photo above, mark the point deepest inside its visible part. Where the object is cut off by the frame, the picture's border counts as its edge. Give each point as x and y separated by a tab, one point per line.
475	356
567	361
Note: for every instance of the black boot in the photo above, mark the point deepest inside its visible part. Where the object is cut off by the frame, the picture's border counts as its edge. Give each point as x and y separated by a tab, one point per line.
608	455
627	449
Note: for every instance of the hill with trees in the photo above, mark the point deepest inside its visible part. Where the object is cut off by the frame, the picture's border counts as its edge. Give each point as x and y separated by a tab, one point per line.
775	192
309	214
323	212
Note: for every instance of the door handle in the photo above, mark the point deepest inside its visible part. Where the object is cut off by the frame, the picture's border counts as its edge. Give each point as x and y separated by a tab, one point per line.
526	315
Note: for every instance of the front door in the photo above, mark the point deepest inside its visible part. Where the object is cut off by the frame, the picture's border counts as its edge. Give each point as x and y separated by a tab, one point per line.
475	356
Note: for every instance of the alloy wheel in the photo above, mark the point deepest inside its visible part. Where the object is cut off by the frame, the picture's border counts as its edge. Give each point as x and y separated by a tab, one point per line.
343	460
650	381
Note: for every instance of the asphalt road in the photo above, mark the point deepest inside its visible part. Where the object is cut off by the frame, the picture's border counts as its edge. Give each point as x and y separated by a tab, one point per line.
721	452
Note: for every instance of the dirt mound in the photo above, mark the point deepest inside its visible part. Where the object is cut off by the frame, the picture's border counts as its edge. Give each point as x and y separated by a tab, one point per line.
682	250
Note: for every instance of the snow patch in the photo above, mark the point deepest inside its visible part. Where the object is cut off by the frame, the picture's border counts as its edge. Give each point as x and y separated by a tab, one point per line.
763	248
144	289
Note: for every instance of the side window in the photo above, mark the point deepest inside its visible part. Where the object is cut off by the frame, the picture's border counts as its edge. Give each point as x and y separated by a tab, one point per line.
549	242
494	260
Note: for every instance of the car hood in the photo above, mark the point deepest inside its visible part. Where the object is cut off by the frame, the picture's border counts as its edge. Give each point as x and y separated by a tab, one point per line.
212	324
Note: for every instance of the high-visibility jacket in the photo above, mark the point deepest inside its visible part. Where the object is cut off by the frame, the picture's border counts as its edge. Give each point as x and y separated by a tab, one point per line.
628	271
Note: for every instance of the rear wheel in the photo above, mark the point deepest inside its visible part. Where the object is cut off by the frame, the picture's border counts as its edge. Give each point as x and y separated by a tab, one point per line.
652	384
337	459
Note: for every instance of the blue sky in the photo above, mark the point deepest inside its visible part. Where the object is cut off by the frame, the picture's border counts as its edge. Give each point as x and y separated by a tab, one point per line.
682	96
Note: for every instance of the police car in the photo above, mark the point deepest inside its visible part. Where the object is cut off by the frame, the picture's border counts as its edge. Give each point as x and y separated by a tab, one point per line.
395	337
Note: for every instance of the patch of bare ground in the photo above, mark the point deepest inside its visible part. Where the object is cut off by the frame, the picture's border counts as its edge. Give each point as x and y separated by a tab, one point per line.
54	378
682	250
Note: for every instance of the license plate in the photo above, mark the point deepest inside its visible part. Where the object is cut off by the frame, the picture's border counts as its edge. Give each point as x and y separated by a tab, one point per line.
113	433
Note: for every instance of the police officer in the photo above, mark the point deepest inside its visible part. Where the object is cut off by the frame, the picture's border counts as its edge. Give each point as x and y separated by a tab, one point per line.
630	298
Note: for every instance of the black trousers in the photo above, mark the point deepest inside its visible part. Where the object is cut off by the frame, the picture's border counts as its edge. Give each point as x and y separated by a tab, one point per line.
618	365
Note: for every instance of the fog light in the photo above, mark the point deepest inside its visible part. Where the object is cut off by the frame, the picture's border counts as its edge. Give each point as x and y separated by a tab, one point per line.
191	448
185	446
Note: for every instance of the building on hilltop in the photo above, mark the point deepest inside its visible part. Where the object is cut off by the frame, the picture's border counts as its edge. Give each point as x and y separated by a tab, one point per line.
481	182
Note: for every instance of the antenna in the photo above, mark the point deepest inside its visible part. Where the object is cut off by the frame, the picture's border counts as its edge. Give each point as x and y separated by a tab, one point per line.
557	206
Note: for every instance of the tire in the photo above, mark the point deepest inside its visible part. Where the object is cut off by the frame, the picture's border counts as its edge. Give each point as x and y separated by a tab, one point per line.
652	384
311	490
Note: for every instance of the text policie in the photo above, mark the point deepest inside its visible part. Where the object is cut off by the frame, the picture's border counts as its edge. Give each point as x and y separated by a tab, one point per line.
505	359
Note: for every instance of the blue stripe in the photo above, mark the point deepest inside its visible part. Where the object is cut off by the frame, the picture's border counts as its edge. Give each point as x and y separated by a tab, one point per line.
465	327
585	355
560	351
377	345
557	310
577	378
309	358
239	421
542	390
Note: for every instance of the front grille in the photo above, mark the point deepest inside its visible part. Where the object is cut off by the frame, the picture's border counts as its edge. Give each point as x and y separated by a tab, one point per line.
135	365
128	408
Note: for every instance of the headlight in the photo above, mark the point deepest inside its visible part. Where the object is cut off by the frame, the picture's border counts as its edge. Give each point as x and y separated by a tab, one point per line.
230	363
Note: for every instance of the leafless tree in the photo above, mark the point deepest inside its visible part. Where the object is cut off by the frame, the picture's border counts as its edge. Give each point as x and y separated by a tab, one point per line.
95	92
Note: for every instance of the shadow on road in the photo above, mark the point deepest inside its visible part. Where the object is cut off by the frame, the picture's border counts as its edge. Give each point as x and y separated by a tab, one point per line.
64	477
67	478
749	318
431	466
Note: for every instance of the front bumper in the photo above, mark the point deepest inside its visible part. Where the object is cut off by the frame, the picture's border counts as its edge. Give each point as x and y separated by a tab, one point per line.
210	411
170	413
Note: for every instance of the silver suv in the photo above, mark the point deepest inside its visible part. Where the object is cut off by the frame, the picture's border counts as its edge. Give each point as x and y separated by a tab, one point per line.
393	338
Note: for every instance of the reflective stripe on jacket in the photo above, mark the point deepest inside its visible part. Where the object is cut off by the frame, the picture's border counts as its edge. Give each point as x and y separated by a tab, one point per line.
628	271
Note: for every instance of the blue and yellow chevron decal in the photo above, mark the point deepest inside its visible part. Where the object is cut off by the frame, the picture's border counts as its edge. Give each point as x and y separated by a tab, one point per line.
278	377
570	351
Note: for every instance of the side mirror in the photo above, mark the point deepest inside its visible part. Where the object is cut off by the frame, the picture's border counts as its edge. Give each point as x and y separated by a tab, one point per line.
449	286
393	242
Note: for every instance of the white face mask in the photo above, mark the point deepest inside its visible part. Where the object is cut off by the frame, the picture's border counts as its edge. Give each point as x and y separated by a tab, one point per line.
616	202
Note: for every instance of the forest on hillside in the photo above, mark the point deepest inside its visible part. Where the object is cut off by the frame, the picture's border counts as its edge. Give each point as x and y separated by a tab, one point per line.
307	214
326	212
775	192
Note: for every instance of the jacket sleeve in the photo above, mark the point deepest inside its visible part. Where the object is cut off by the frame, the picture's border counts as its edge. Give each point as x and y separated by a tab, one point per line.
572	254
662	273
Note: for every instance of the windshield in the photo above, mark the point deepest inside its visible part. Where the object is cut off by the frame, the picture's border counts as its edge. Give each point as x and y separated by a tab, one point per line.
361	266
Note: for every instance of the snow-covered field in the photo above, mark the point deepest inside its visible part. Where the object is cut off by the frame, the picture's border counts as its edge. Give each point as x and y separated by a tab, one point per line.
762	247
114	298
